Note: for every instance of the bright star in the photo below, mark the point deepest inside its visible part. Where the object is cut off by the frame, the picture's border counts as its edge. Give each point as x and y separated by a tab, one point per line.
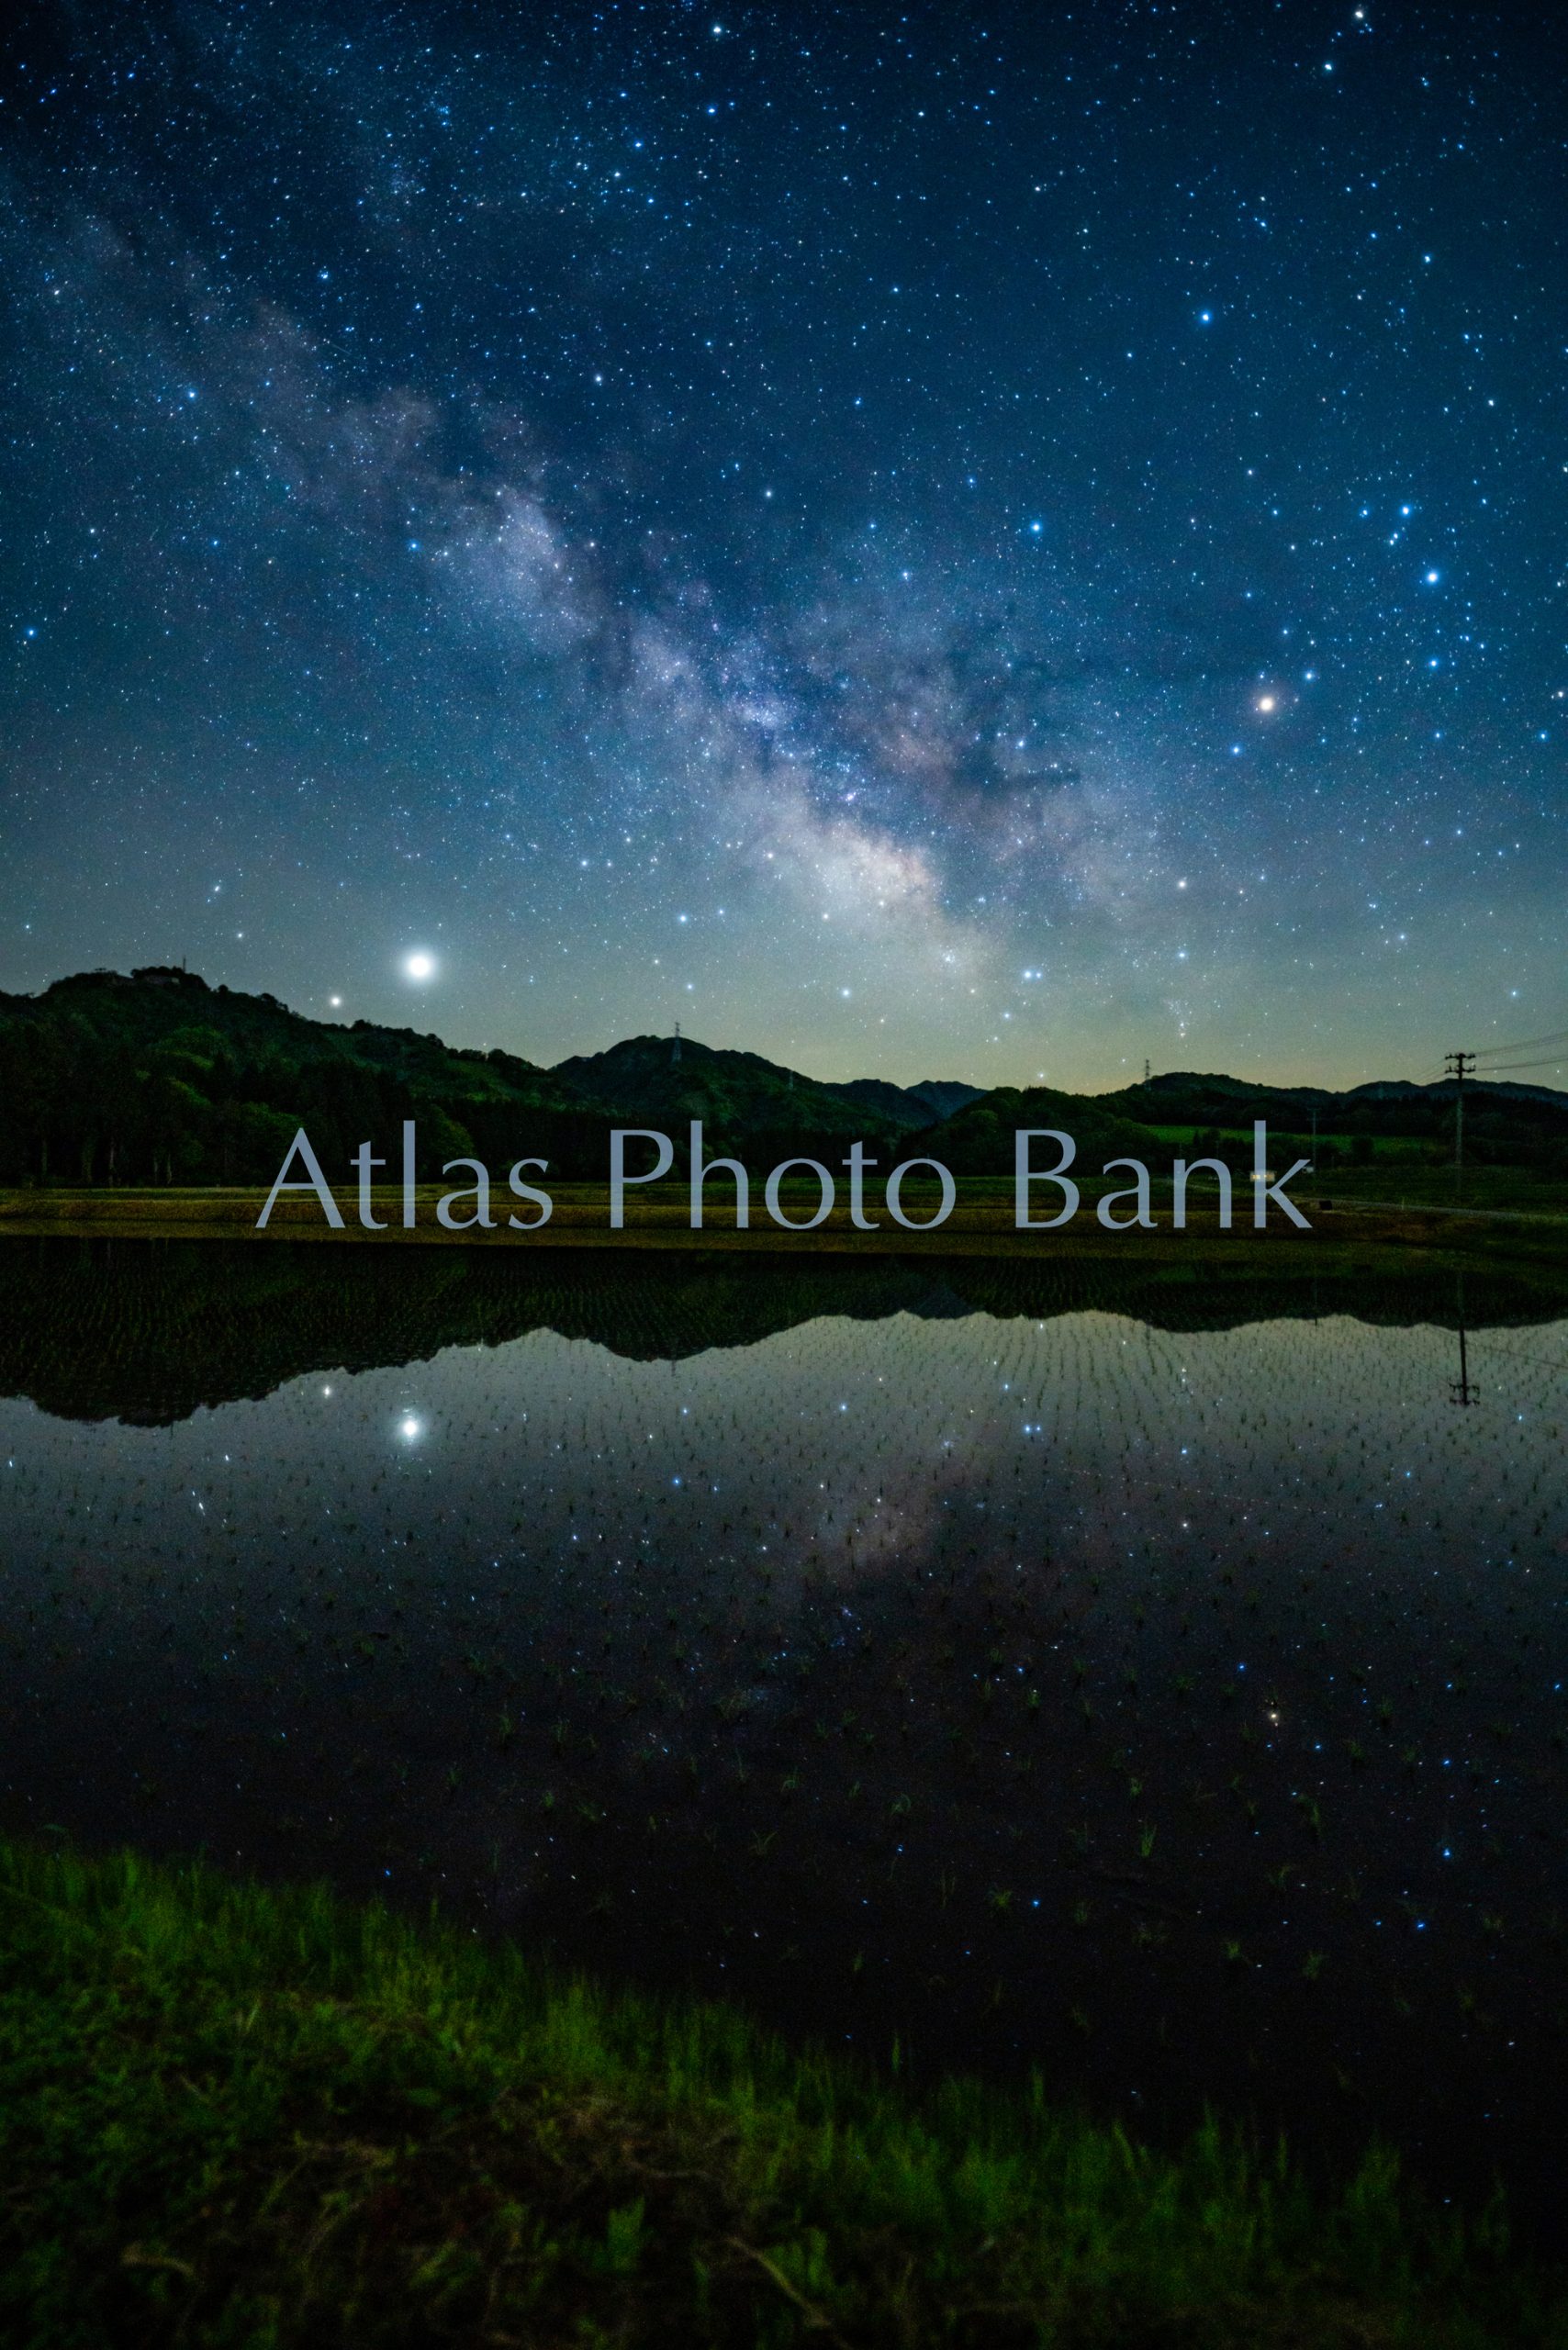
419	965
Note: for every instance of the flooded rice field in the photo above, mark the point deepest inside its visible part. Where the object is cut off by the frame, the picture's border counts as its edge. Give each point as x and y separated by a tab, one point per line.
1164	1690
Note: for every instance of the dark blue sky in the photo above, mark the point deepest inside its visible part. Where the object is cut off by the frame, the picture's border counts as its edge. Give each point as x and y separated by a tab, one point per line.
978	543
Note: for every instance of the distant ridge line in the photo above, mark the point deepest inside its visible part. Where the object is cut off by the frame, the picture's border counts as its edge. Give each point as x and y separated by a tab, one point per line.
593	1081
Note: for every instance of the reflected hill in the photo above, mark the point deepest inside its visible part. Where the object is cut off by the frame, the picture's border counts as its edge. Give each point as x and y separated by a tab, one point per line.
149	1332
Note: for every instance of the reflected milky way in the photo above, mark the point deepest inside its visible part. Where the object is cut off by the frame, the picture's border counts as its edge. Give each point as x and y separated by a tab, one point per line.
1050	1680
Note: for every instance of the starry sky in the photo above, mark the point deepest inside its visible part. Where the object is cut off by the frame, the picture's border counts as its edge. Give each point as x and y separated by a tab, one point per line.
935	541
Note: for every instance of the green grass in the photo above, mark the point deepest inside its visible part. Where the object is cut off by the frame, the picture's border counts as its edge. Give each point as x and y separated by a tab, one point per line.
1527	1191
659	1215
1180	1137
240	2117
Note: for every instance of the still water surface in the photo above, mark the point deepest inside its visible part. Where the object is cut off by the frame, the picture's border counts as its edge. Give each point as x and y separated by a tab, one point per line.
1179	1710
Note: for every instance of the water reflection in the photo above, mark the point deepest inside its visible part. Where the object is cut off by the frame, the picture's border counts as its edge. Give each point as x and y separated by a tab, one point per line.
1180	1708
148	1331
1460	1391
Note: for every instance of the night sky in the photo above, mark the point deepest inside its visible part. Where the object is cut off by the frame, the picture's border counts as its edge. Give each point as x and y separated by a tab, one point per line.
953	542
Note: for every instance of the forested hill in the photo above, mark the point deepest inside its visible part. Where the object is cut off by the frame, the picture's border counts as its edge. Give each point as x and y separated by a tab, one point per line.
156	1077
666	1081
977	1139
1501	1119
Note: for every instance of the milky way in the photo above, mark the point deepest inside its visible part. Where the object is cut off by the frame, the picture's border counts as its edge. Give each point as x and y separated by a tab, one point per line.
971	543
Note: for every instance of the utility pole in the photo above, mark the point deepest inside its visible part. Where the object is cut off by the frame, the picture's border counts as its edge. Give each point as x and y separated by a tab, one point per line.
1460	1388
1145	1072
675	1054
1459	1066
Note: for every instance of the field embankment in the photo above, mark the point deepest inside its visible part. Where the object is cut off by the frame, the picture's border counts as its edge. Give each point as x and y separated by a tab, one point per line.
1343	1226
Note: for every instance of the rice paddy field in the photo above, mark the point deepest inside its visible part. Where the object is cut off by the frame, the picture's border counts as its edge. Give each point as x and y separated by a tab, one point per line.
1150	1684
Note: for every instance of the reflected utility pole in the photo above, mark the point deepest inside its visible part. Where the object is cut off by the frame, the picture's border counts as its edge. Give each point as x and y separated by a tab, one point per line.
1459	1066
1460	1391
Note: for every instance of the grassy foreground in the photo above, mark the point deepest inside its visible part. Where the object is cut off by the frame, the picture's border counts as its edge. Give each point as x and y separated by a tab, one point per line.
240	2117
1515	1220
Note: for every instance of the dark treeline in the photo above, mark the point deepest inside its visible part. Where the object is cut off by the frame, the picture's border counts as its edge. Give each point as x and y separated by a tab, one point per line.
87	1101
1515	1125
156	1077
159	1079
148	1331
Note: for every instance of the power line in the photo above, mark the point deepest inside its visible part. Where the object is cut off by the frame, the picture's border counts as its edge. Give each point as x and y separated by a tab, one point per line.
1522	1354
1523	1044
1485	1072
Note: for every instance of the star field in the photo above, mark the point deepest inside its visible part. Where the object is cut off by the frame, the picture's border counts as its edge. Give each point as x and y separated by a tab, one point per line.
990	543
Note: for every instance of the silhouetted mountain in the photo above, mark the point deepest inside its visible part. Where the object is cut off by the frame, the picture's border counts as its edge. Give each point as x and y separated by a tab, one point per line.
156	1077
1518	1122
1400	1089
979	1138
946	1094
896	1106
665	1081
